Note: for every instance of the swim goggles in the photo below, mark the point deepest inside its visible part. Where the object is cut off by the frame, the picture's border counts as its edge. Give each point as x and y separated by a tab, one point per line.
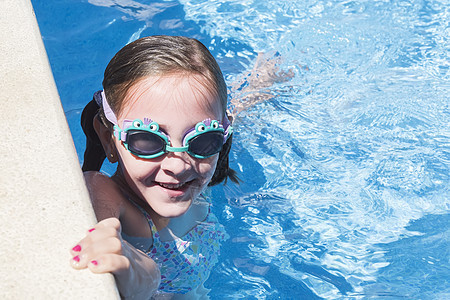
144	139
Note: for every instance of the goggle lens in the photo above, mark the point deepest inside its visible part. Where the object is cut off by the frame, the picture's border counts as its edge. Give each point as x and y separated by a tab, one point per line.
144	143
206	144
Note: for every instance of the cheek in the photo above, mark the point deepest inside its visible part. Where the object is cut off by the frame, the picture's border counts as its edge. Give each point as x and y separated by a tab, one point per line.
207	166
136	169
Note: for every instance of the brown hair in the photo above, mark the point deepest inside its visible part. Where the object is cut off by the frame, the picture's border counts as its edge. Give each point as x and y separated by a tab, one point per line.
158	56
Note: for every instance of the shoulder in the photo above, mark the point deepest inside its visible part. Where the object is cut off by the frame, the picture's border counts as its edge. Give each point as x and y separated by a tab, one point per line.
106	196
93	178
108	200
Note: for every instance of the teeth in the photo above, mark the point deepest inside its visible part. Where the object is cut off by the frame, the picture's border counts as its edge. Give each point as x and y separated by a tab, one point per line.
171	186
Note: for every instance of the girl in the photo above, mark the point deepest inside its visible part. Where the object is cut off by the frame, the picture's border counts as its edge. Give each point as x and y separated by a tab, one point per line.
162	117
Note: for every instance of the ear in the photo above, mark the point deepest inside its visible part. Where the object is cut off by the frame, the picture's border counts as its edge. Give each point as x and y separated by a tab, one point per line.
107	140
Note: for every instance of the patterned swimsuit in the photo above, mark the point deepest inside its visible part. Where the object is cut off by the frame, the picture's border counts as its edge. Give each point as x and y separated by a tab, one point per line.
185	262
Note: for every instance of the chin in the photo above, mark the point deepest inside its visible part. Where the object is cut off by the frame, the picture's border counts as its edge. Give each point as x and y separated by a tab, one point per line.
173	210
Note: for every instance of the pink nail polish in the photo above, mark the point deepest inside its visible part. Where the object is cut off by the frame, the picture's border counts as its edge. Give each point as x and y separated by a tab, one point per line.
92	229
76	258
94	262
77	248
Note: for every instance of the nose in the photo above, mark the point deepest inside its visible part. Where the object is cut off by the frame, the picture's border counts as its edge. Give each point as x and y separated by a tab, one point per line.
176	163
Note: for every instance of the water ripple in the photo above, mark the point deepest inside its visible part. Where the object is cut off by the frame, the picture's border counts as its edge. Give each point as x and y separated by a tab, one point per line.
346	168
356	145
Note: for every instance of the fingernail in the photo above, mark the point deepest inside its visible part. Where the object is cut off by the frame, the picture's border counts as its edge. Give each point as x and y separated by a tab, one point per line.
77	248
94	262
92	229
76	258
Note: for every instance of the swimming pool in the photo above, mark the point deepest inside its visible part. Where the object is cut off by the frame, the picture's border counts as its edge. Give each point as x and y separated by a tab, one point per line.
345	170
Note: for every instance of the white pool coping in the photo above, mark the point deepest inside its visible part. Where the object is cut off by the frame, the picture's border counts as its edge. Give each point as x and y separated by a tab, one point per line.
44	205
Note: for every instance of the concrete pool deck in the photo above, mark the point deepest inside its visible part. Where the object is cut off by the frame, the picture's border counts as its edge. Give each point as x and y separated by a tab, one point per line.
44	204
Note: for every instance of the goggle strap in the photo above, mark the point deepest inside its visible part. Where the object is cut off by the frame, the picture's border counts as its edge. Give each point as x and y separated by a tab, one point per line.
123	136
109	114
120	134
228	132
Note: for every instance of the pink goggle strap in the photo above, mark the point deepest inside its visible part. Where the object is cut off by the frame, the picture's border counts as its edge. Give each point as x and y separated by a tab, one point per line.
109	114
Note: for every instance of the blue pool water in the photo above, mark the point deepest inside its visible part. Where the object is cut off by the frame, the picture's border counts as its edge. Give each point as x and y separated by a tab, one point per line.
345	171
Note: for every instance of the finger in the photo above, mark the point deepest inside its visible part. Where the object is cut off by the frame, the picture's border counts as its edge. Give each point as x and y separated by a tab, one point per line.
101	232
111	245
110	222
76	249
107	229
106	223
109	263
94	237
77	262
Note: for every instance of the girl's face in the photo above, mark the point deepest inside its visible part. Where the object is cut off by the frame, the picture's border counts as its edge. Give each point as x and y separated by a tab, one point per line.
170	182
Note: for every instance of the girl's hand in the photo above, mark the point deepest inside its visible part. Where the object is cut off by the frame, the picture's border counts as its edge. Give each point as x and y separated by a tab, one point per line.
104	251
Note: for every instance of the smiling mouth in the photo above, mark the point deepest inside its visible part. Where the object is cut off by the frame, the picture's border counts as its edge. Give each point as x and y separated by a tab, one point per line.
175	187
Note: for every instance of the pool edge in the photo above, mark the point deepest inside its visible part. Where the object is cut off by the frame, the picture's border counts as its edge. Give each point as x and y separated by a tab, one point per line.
44	204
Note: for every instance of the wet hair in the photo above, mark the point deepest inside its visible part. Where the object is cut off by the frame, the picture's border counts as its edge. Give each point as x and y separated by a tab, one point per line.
154	56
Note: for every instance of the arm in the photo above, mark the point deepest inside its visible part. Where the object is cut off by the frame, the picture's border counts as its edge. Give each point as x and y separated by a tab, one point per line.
253	87
104	251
